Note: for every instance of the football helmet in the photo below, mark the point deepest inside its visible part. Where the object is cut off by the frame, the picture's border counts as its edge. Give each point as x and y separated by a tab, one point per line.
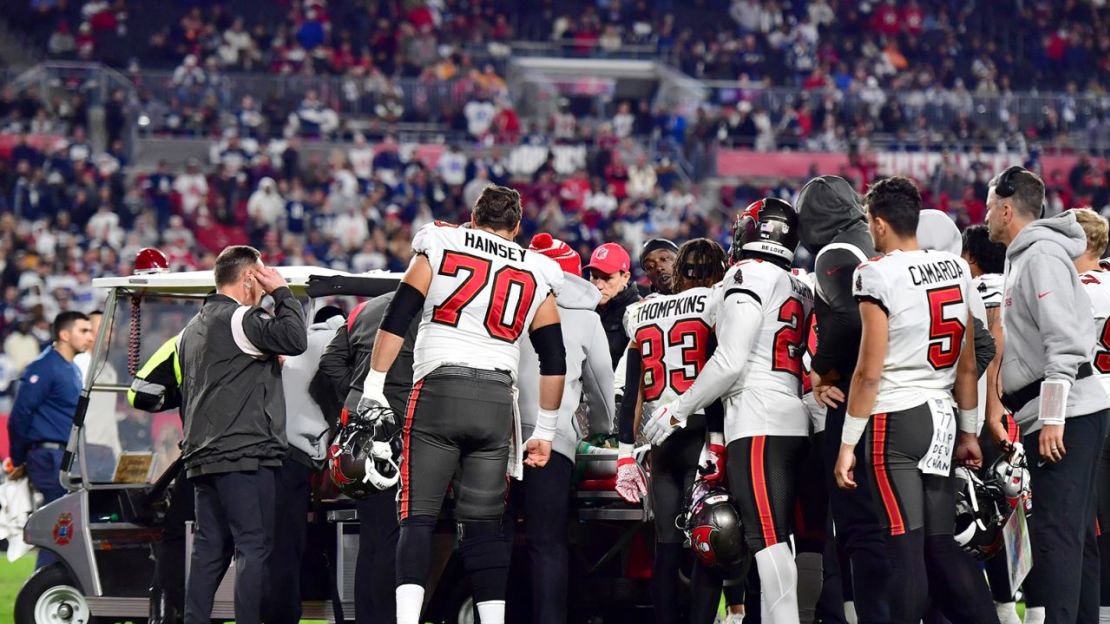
768	227
361	457
711	523
1010	474
981	512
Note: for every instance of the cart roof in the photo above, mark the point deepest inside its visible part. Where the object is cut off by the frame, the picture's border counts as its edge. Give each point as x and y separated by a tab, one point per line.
192	282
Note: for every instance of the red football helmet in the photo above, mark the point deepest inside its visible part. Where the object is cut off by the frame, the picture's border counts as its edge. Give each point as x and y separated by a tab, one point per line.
150	260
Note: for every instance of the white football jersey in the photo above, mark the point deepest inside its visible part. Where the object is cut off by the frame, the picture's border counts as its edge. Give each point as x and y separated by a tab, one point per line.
766	398
484	294
673	334
817	412
1097	285
925	296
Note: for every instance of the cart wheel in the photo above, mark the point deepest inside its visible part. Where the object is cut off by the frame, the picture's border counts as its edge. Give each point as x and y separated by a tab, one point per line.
51	596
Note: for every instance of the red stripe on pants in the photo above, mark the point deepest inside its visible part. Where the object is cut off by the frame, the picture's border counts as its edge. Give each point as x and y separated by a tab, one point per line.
406	460
878	459
759	485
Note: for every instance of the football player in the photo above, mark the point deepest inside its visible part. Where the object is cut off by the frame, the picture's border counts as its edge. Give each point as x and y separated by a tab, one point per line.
479	292
1096	281
756	371
998	430
915	351
671	338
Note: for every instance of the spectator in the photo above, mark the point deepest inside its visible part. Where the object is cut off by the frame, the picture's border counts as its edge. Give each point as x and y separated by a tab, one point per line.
45	403
266	205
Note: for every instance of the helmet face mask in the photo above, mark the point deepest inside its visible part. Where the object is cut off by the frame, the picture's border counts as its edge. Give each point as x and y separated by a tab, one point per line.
981	512
768	228
361	458
712	525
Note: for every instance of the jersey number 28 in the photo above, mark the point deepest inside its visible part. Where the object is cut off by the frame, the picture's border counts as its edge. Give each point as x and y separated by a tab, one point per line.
512	287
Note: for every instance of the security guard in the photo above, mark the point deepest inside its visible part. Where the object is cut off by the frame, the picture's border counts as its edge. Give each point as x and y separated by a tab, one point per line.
156	388
44	406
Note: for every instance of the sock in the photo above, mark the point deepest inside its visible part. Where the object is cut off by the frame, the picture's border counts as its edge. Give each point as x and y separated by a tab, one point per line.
491	612
1034	615
1104	615
1007	612
410	598
810	578
779	578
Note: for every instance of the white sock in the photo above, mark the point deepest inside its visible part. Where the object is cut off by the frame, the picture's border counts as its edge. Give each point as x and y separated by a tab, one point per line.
850	612
810	580
779	577
1034	615
490	612
410	599
1104	615
1007	612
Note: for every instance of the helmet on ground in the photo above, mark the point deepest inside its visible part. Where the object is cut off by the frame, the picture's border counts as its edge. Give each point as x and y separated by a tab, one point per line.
768	227
361	457
712	525
981	512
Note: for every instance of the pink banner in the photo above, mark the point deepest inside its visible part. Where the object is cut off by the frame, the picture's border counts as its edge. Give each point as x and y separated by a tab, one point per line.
744	163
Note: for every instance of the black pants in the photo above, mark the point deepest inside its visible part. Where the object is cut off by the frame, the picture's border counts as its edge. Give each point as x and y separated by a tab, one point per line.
544	497
169	566
293	494
857	527
1062	527
234	518
763	477
375	569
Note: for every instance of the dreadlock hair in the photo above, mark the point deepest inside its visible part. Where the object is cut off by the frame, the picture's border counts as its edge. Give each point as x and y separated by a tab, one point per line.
700	262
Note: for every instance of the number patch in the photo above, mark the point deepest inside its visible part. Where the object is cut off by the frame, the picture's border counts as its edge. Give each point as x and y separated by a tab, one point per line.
510	299
691	336
790	340
945	334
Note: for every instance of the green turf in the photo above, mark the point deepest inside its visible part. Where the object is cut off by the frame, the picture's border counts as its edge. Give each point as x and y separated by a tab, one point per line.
12	576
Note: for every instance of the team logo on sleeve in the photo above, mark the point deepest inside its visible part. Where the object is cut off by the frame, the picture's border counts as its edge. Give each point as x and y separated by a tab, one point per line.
859	282
738	277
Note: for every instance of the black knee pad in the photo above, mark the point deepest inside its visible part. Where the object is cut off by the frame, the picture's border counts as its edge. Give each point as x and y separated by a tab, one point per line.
485	550
414	547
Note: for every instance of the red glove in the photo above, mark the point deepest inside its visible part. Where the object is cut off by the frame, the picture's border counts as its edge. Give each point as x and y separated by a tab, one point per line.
711	464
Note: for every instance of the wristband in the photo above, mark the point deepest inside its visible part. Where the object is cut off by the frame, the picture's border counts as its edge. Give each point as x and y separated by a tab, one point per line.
547	422
968	420
716	438
375	381
1053	401
624	454
853	429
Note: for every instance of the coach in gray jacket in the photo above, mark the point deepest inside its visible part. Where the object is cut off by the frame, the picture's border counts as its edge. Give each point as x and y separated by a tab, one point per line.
1047	382
544	493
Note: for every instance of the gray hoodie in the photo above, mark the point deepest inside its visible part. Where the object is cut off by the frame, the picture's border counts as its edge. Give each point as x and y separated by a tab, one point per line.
305	426
1047	324
589	369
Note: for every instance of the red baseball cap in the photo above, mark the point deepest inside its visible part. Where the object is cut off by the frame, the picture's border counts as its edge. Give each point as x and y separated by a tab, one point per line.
609	258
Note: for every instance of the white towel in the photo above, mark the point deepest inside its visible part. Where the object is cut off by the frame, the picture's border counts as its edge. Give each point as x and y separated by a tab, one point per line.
515	468
15	507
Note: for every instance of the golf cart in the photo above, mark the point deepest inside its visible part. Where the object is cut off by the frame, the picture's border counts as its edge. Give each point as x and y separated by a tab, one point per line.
120	462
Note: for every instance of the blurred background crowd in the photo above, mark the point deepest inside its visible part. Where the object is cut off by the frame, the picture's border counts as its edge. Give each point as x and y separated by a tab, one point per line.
325	132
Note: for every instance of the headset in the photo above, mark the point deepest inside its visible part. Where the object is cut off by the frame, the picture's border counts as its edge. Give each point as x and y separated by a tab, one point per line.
1005	186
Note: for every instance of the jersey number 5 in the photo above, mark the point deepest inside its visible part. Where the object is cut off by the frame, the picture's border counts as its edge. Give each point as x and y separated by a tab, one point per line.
507	282
943	330
692	336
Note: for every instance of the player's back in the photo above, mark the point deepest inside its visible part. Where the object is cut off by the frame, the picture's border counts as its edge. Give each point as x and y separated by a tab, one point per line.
925	297
484	293
674	334
1096	284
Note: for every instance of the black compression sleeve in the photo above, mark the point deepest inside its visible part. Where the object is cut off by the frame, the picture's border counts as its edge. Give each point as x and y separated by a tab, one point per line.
715	417
984	347
627	418
405	305
548	343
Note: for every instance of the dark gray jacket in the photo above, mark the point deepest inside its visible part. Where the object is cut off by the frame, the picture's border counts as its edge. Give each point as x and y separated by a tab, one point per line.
232	399
834	229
